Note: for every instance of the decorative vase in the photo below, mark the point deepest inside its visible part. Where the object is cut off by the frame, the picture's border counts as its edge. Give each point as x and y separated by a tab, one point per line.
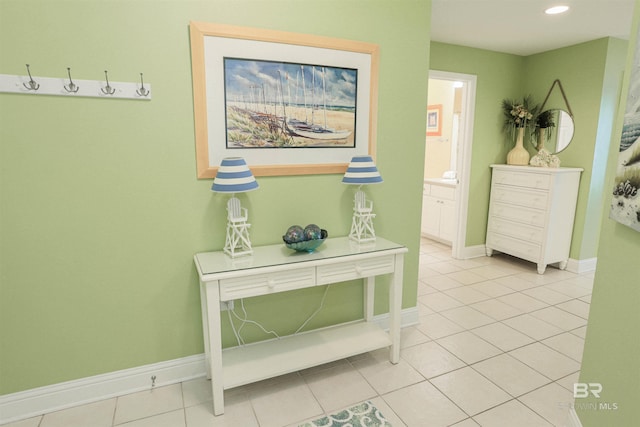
518	155
541	134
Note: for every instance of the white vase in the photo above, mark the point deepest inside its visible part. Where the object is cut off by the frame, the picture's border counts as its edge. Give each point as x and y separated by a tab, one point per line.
541	138
518	155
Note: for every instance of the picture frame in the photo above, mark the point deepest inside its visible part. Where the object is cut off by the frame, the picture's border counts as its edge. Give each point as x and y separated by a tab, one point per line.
223	55
434	120
625	201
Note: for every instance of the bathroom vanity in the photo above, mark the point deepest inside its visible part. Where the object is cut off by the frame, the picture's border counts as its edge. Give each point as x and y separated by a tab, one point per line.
438	209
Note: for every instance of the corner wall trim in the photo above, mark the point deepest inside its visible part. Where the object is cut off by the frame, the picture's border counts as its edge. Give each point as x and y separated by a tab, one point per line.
477	251
31	403
572	419
582	265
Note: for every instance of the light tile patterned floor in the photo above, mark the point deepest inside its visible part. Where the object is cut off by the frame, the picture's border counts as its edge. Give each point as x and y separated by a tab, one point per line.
497	345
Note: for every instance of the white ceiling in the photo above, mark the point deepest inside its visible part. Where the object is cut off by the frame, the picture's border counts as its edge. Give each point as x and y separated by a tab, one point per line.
521	27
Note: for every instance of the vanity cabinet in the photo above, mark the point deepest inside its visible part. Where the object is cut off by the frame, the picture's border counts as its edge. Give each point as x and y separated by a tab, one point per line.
531	213
438	211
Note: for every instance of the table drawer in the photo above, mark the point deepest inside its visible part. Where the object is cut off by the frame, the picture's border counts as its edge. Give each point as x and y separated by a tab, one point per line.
522	179
354	270
262	284
509	245
519	214
519	196
519	231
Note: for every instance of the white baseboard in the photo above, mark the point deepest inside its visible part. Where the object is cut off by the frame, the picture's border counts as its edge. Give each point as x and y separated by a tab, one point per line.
469	252
42	400
408	317
37	401
572	419
582	265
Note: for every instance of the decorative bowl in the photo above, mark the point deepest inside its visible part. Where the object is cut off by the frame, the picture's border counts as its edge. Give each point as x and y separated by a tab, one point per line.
307	245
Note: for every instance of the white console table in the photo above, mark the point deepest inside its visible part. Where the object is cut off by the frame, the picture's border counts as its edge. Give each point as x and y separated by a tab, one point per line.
276	268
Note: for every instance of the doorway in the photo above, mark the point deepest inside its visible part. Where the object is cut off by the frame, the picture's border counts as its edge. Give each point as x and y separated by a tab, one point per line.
451	100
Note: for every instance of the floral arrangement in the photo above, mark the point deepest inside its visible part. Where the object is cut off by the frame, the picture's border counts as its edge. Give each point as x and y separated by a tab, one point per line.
545	119
518	114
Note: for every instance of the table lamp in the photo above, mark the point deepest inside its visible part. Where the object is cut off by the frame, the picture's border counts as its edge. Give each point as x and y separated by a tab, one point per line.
362	171
234	176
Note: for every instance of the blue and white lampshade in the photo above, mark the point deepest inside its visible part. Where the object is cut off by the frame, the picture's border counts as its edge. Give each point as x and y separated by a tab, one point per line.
362	170
234	176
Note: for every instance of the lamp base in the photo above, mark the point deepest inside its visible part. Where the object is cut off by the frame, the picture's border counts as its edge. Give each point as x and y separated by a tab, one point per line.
237	242
362	227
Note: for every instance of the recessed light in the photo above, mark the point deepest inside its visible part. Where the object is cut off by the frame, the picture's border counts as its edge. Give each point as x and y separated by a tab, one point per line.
556	10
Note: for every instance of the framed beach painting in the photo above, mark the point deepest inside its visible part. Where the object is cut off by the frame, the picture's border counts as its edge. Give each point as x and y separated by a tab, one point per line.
434	120
289	104
625	203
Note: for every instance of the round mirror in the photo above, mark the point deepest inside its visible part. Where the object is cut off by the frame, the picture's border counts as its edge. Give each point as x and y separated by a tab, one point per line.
554	130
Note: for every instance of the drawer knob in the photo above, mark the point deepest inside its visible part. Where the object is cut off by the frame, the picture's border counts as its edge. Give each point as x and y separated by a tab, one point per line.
359	270
271	283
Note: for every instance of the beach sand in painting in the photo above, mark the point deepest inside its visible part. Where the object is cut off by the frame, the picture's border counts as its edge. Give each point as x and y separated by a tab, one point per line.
625	204
247	129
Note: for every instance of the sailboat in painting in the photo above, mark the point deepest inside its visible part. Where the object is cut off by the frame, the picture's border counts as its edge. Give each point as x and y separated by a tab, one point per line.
263	112
313	130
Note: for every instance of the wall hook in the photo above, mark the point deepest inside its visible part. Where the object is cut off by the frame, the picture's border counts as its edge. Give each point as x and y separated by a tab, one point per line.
107	90
31	84
71	87
142	91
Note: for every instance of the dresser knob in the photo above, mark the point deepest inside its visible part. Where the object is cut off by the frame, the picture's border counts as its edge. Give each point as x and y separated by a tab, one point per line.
271	283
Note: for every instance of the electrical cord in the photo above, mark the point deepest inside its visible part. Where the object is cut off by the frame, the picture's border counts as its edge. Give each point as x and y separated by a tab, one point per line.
244	320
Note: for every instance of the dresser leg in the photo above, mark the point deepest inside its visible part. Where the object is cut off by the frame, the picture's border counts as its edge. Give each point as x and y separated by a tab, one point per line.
542	268
489	251
563	265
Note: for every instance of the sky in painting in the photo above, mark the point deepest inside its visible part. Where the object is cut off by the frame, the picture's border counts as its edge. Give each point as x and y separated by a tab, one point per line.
251	81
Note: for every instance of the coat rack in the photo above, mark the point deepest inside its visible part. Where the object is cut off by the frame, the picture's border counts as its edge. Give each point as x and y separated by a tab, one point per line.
68	86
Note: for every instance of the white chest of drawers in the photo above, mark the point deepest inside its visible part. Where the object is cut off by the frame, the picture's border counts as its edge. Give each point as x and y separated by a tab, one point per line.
273	269
531	213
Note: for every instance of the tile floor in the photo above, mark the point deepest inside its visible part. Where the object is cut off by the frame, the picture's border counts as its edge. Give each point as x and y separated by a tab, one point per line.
497	345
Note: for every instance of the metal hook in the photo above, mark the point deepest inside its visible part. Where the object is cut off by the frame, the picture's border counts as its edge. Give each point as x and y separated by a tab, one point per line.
31	84
107	90
71	87
142	91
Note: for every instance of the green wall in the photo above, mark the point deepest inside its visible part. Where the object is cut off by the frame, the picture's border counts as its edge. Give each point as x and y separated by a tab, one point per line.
590	74
498	77
612	345
101	211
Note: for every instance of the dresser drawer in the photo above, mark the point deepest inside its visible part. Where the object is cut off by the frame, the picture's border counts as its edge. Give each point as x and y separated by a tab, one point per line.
519	196
354	270
522	179
519	214
509	245
519	231
261	284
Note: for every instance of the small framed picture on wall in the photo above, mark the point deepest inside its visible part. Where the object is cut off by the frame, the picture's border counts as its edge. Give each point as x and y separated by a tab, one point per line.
434	120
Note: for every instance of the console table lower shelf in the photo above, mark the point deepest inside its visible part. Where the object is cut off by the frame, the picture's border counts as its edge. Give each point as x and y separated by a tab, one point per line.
273	269
267	359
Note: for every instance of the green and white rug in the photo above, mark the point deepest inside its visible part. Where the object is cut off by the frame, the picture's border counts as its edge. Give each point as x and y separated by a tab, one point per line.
362	415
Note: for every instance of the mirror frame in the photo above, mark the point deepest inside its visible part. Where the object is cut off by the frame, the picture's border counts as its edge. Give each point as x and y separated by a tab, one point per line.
567	111
557	132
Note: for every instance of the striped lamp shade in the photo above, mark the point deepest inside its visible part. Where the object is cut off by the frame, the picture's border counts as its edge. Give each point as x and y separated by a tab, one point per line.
234	176
362	170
